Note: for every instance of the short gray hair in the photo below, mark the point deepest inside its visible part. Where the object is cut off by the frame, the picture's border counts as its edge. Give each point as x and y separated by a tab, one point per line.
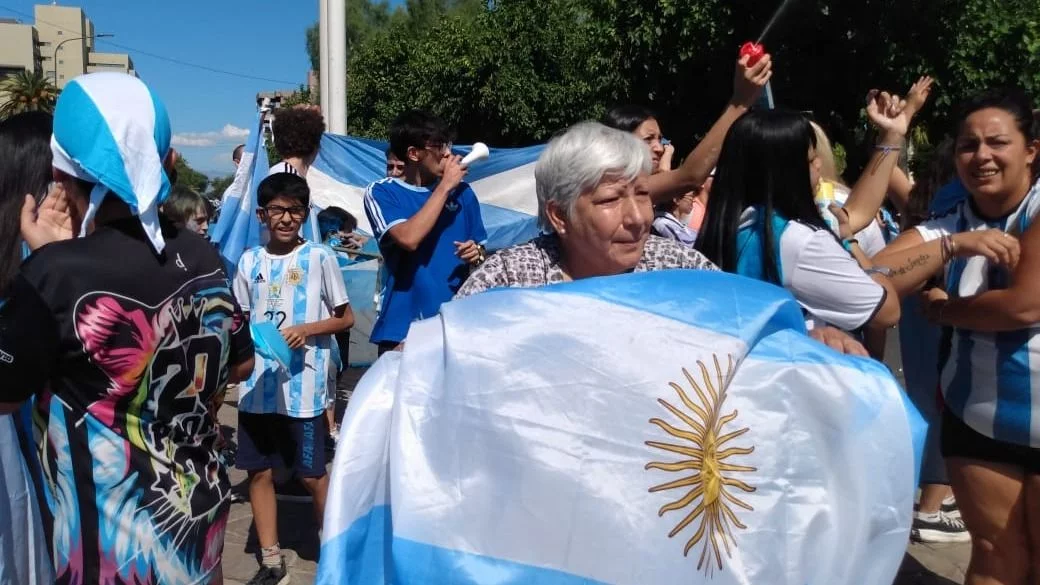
576	161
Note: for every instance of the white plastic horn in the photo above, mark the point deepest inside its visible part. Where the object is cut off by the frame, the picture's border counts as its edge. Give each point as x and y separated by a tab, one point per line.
479	152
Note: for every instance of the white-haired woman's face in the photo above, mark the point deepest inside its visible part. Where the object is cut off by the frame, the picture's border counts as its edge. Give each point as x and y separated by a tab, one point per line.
608	227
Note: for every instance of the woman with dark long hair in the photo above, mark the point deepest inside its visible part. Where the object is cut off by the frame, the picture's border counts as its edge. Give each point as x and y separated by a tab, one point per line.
762	222
986	252
25	168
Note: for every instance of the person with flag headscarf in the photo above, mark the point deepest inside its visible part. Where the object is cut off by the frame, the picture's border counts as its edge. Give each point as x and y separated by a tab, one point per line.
124	335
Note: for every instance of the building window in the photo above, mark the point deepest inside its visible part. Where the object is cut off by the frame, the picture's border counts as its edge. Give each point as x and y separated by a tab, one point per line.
61	61
60	33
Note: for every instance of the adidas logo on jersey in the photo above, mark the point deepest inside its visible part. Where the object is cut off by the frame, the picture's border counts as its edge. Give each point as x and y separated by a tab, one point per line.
259	278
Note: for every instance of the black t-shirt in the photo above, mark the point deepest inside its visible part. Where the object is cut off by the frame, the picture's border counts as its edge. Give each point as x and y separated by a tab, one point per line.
124	350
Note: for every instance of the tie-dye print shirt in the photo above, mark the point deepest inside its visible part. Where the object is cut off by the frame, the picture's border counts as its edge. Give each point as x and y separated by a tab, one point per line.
125	350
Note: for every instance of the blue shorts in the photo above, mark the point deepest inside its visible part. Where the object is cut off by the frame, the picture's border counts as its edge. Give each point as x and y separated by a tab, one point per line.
272	441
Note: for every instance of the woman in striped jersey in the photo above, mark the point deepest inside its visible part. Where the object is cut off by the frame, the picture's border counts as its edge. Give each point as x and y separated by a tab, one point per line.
986	251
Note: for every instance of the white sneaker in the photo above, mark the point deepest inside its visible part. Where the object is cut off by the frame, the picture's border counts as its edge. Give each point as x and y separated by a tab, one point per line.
949	507
938	528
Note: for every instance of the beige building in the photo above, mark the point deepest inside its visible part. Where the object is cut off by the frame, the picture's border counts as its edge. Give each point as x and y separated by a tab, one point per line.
60	44
110	62
19	48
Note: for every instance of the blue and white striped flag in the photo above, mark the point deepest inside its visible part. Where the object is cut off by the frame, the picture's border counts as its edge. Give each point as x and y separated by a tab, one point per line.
667	427
238	228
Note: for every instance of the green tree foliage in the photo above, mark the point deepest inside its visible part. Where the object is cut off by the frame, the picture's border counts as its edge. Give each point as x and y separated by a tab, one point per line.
189	177
514	72
219	185
364	18
26	92
511	75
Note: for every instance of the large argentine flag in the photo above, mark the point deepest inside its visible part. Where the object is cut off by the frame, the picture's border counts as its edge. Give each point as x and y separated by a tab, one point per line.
669	427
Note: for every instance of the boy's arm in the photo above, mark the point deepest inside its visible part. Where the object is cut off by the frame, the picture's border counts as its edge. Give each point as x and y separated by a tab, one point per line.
473	251
241	371
241	357
410	233
342	319
334	293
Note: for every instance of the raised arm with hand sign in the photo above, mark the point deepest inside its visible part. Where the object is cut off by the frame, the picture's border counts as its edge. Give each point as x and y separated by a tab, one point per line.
748	82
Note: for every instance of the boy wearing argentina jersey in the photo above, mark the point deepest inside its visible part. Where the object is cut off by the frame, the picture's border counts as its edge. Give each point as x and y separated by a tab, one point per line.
297	286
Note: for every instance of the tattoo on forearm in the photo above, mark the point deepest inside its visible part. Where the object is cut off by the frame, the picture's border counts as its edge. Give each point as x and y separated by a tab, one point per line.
912	264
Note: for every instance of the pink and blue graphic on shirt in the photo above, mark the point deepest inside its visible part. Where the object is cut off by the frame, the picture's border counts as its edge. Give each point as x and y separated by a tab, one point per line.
136	491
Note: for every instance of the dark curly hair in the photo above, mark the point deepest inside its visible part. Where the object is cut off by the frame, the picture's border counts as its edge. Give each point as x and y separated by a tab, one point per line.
297	132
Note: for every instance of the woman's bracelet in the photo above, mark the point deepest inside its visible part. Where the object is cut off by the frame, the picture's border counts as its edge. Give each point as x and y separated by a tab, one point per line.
947	249
886	149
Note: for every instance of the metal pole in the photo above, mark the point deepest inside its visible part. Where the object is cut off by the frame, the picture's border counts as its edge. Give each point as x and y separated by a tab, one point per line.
323	60
337	12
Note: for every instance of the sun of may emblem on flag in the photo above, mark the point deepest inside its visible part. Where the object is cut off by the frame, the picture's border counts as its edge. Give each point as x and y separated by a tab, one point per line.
701	440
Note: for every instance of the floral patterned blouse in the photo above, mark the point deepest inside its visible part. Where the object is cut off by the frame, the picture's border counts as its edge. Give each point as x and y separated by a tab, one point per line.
537	263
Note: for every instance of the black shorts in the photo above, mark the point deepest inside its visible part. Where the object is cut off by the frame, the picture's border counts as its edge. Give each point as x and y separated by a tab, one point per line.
276	441
960	440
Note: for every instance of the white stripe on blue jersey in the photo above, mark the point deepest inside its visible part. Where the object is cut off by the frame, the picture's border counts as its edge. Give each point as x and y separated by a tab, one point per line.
301	287
373	211
988	379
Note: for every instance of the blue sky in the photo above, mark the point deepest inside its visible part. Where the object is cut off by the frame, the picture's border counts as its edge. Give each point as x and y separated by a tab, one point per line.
209	111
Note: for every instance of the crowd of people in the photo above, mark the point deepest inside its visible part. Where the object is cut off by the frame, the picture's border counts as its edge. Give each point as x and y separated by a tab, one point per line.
121	327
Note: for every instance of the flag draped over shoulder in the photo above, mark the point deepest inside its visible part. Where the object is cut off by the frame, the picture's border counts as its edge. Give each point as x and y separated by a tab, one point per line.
664	427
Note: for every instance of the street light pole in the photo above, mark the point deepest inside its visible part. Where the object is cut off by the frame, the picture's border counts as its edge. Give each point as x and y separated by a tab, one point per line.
58	48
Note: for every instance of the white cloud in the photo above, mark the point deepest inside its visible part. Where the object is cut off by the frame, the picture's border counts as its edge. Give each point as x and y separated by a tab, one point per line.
229	134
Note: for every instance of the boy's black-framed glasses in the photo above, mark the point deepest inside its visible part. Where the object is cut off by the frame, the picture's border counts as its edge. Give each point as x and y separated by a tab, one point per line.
277	211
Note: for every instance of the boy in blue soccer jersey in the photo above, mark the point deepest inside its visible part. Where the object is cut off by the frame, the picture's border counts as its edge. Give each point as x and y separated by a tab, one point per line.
296	285
428	225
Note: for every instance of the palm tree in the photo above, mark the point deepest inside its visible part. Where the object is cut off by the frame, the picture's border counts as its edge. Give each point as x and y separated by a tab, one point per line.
26	92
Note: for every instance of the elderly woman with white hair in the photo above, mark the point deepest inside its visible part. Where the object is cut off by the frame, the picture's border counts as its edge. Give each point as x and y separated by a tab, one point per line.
595	210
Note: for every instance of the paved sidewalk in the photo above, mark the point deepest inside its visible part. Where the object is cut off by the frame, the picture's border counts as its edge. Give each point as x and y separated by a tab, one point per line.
923	565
